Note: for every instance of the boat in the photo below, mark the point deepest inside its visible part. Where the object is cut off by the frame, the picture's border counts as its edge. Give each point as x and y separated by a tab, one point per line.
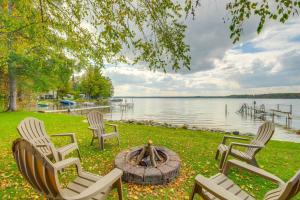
88	103
116	100
68	102
42	105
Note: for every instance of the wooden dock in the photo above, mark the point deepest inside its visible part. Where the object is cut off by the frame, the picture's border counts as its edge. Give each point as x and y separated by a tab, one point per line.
255	111
74	110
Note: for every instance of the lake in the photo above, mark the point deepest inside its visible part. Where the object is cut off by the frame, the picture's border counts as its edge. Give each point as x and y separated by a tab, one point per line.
210	113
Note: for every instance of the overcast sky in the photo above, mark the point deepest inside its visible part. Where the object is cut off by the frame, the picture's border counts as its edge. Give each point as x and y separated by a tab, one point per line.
264	63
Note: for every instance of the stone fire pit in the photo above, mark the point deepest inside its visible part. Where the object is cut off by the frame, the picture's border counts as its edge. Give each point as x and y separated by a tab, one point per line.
148	165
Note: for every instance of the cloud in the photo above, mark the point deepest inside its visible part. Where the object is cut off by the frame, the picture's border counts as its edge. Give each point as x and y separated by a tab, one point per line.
269	62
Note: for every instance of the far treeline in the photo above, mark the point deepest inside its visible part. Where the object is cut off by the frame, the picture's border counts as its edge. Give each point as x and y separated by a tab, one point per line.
269	96
255	96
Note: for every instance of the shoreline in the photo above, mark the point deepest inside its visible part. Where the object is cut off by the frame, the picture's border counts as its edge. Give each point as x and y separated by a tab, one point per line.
189	127
184	126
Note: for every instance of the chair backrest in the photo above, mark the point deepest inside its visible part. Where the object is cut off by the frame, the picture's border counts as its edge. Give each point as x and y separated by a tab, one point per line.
33	130
36	168
96	120
286	191
264	134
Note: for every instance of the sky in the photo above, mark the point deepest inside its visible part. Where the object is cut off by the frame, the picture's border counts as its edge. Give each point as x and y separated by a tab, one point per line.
264	63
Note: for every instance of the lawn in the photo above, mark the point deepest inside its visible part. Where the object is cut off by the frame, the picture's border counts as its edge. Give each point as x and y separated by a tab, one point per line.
195	148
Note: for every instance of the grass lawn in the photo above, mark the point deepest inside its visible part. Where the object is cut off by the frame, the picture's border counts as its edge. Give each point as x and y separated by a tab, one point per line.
195	148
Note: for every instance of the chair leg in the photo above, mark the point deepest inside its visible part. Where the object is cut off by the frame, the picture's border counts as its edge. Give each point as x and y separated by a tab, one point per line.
217	154
79	155
223	155
61	158
101	143
118	140
92	141
254	162
119	188
196	189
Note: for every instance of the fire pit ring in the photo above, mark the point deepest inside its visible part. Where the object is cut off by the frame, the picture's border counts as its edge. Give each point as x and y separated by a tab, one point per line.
135	170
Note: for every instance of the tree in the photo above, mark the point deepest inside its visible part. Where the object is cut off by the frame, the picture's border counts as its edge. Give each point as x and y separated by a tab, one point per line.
95	85
90	31
3	88
242	10
95	31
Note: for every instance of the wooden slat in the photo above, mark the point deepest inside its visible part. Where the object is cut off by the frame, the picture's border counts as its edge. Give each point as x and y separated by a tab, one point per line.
76	187
83	181
69	192
80	184
219	179
264	134
30	168
68	148
243	195
110	135
273	194
240	154
89	176
223	181
235	189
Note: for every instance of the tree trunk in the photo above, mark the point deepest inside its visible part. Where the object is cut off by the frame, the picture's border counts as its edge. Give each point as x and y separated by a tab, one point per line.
12	85
12	81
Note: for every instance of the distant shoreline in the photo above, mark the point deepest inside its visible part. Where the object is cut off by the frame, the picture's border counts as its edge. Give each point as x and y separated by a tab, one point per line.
243	96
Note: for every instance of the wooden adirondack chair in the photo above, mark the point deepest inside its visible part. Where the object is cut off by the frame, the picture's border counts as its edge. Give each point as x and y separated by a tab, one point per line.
33	130
96	124
264	134
42	175
221	187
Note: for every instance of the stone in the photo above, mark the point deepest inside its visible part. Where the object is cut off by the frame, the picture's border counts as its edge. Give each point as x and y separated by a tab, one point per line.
173	164
134	174
174	158
152	176
235	132
168	173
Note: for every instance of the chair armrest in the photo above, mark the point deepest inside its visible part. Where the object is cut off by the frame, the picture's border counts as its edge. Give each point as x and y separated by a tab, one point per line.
215	189
115	126
233	137
63	134
71	135
66	163
99	186
93	128
252	169
244	145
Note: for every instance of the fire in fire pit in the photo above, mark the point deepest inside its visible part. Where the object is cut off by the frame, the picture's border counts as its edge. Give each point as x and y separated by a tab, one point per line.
148	164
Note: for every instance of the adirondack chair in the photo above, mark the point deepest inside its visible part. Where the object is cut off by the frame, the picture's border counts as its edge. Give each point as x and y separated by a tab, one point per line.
34	131
42	175
96	124
264	134
221	187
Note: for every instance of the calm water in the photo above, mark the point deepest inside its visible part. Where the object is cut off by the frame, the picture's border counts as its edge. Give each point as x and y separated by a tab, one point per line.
210	113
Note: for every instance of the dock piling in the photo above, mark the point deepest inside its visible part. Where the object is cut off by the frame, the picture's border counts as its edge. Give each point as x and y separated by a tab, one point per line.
260	111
